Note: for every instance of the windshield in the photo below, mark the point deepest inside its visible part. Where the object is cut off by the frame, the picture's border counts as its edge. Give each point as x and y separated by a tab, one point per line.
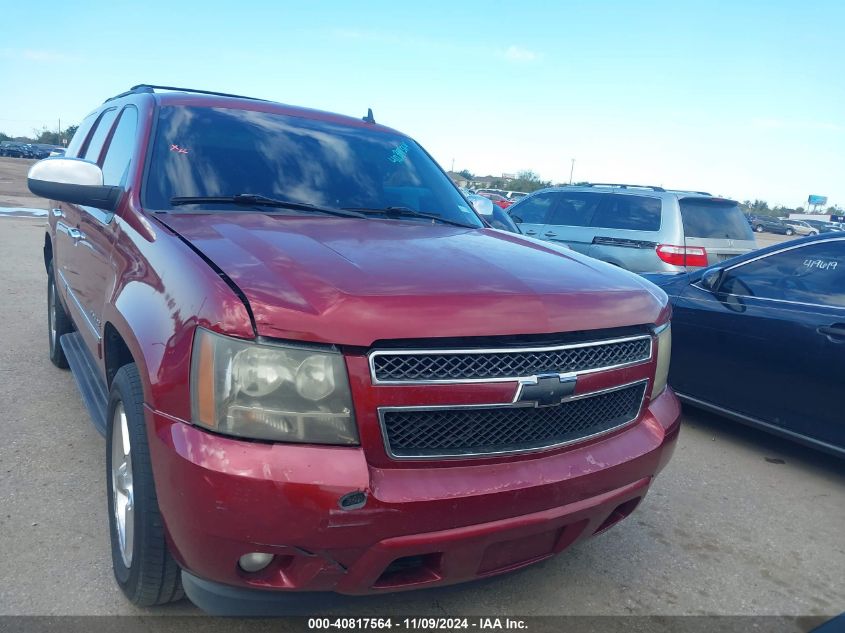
209	152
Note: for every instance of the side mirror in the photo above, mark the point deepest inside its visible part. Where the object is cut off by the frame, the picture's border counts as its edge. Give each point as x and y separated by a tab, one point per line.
482	205
72	180
711	278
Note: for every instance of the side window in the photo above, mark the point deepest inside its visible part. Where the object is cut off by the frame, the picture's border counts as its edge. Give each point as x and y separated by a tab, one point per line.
101	131
78	138
635	213
809	274
116	163
533	210
575	209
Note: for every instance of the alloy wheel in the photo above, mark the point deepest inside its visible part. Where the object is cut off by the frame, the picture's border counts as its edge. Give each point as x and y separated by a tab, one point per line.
51	315
122	490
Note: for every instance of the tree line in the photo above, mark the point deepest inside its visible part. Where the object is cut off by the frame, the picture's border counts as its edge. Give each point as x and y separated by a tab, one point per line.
44	136
526	180
761	207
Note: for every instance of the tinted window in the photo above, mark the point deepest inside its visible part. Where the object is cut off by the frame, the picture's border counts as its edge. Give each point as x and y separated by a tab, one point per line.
79	136
636	213
116	163
714	219
533	210
810	274
575	209
95	144
202	151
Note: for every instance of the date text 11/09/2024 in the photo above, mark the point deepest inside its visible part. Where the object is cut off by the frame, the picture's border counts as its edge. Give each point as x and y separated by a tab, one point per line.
416	624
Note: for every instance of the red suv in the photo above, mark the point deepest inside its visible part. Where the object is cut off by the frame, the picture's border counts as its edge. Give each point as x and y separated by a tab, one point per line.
316	368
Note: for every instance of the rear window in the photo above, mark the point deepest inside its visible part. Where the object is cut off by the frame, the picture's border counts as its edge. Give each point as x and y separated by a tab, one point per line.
715	219
635	213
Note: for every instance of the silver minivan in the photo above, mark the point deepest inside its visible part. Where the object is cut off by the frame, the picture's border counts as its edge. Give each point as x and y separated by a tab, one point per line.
642	229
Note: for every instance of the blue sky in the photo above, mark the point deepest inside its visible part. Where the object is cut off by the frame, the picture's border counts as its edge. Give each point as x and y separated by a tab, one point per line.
745	99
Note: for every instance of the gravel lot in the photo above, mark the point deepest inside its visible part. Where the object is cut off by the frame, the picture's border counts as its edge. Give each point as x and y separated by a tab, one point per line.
738	523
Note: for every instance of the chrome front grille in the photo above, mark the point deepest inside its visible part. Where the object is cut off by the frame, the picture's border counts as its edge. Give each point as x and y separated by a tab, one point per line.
498	365
461	431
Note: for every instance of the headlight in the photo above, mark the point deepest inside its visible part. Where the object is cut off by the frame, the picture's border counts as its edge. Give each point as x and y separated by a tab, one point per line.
270	392
664	353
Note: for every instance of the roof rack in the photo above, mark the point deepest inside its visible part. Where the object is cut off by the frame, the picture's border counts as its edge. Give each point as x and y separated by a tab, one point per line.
620	185
151	88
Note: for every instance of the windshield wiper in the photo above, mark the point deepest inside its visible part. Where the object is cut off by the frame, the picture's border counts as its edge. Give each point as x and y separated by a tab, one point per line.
407	212
254	199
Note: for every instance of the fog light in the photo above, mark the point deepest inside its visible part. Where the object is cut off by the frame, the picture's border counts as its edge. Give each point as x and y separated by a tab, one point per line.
255	561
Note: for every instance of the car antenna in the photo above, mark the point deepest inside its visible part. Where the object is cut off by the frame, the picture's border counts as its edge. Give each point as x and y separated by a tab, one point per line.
369	118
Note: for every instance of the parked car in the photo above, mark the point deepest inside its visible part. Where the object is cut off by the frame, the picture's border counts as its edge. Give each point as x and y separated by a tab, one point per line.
761	223
800	227
12	149
316	369
495	198
57	151
824	227
761	339
642	229
28	150
514	196
42	150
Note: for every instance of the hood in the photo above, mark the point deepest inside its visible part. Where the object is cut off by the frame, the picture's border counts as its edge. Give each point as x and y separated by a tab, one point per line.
353	281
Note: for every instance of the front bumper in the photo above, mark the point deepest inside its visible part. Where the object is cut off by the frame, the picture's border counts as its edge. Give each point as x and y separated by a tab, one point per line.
222	497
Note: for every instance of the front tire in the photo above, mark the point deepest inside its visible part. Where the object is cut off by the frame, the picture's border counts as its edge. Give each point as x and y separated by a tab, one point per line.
758	228
143	566
790	232
58	322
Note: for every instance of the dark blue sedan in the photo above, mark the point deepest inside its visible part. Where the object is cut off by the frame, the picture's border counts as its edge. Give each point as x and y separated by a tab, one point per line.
761	338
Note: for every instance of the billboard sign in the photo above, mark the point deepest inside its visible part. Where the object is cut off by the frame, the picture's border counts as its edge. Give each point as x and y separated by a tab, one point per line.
817	200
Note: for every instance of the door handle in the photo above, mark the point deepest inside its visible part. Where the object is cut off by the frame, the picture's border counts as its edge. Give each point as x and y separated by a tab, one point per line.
76	234
550	234
531	232
836	330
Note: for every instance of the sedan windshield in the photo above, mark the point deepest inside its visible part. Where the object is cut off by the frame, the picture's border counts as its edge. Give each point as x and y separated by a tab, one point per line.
221	152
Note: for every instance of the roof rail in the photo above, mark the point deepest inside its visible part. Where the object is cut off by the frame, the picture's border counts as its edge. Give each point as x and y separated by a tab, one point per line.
151	88
703	193
620	186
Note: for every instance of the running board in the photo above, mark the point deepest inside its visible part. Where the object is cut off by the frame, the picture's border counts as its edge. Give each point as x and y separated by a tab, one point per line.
95	395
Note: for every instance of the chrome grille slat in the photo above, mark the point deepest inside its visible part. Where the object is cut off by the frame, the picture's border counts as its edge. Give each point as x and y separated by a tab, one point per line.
424	366
434	432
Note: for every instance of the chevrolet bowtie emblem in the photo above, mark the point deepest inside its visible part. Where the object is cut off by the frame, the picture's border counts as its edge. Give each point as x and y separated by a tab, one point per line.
545	390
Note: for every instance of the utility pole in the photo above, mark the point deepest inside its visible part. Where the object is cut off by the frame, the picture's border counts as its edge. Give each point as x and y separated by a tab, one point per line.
60	127
571	170
453	165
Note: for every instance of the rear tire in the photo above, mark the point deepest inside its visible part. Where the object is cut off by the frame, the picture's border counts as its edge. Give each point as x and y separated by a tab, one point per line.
790	232
143	566
58	322
758	228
